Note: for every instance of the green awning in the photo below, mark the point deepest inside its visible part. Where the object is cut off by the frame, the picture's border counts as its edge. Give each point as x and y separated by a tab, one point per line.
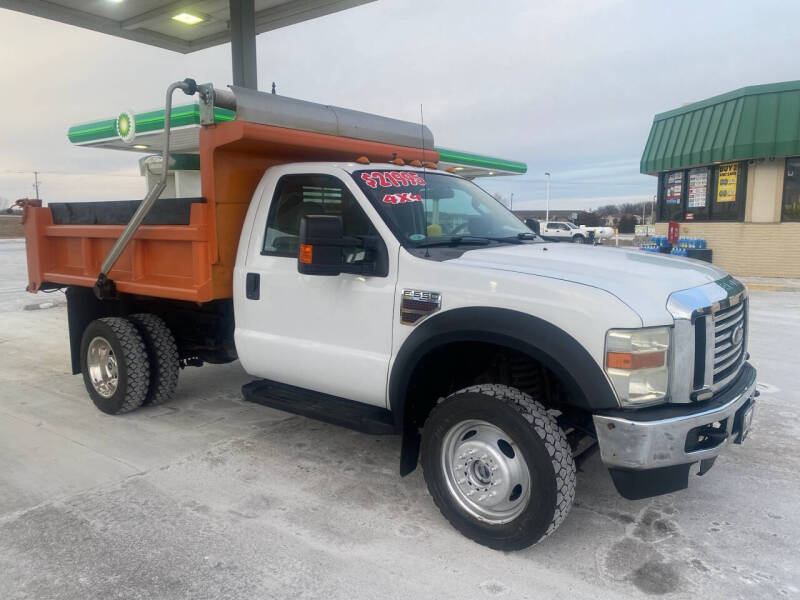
760	121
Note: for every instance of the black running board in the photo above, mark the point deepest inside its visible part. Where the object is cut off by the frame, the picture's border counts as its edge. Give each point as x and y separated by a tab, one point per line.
365	418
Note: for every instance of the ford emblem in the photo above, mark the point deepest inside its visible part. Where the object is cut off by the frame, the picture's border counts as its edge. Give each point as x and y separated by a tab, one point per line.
737	335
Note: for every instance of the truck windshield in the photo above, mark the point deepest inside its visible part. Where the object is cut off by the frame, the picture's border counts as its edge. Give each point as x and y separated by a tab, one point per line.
424	208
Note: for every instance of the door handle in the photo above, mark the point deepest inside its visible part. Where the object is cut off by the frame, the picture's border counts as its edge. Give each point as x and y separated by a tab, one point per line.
253	286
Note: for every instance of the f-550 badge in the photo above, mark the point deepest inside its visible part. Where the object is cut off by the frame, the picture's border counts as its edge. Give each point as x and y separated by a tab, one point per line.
417	304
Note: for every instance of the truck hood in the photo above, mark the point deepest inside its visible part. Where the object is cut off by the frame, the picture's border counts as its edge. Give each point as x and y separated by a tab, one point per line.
642	280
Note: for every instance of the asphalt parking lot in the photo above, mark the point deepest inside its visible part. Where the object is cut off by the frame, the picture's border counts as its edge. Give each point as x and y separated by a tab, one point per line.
211	497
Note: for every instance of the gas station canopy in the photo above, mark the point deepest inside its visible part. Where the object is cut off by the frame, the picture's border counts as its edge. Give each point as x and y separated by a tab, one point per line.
178	25
144	135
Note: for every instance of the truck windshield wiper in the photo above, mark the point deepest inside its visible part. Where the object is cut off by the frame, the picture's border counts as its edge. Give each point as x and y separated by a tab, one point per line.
476	240
455	240
514	239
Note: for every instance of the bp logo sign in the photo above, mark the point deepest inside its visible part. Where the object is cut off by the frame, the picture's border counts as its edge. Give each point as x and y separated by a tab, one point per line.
126	126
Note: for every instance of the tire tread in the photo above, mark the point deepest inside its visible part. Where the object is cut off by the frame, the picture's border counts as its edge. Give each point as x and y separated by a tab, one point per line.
163	352
136	361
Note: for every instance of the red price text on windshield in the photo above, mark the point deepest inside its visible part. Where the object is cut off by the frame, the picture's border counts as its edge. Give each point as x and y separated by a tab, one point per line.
402	198
392	179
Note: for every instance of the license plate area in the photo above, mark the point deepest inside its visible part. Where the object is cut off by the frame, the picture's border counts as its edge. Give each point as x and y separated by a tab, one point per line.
742	421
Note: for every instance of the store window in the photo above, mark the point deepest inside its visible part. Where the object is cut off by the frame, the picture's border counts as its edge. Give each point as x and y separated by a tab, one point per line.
728	193
697	197
673	196
709	193
791	191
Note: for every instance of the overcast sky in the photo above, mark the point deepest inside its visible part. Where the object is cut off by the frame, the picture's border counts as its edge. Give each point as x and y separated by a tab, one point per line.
567	87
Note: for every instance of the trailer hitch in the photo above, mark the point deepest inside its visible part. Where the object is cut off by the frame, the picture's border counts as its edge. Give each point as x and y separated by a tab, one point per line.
104	287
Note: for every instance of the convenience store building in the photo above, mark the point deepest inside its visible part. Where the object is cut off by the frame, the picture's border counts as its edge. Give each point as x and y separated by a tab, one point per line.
728	171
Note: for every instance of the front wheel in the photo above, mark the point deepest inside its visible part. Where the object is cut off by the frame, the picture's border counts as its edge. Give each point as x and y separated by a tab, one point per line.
498	466
578	239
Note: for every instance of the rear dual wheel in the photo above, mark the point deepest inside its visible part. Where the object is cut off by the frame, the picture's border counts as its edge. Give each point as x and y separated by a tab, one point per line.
129	362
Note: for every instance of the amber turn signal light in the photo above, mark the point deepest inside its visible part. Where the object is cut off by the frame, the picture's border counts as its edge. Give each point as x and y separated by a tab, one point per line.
362	160
398	161
306	251
430	165
415	163
633	362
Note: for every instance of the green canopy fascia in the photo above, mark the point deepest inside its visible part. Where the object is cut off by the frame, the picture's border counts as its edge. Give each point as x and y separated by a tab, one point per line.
760	121
187	114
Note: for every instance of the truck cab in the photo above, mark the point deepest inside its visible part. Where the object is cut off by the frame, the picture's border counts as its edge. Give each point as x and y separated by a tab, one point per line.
391	296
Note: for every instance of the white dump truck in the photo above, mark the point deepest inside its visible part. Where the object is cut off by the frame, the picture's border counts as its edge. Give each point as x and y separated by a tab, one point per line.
361	284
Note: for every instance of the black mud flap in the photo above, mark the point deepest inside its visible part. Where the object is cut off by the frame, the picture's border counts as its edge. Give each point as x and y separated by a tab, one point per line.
636	485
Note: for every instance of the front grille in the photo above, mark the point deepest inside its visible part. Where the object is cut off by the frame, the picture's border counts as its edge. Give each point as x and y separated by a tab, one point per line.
729	341
709	339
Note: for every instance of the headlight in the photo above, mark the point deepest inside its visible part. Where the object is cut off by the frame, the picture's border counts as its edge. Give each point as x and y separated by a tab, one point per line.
636	363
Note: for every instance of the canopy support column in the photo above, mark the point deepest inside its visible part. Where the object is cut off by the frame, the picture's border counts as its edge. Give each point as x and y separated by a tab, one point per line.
243	43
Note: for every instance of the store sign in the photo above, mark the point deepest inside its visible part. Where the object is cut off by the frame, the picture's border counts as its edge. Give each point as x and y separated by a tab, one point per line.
698	188
674	188
727	179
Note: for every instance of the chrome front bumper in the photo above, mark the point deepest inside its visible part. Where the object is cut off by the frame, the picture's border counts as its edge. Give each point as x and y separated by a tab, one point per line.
665	436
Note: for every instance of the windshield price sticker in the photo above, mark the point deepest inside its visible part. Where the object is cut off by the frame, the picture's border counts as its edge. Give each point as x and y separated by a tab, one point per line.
401	198
392	179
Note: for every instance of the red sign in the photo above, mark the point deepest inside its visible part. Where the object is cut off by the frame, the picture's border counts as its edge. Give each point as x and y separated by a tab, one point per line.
392	179
673	232
401	198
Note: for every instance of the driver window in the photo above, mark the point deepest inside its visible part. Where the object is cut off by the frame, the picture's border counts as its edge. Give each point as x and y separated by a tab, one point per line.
299	195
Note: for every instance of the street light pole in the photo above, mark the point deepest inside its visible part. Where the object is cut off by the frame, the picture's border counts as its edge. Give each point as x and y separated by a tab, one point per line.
547	194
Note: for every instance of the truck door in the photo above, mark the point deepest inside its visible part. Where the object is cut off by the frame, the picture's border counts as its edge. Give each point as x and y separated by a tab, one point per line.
329	334
556	229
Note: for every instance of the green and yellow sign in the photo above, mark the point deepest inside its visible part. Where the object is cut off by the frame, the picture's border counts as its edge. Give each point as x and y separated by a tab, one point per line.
126	126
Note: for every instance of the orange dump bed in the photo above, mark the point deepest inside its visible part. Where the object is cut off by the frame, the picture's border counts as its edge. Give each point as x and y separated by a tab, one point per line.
190	262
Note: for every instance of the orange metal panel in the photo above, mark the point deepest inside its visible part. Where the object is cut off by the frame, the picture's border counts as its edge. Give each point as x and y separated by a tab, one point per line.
192	262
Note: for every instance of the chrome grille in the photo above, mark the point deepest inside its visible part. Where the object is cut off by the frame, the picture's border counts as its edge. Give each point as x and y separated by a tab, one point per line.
709	339
729	341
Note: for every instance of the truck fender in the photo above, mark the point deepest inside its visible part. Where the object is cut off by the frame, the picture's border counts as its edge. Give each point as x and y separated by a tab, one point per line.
539	339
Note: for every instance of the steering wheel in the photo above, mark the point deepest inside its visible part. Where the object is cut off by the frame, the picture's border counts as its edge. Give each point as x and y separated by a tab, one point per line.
463	228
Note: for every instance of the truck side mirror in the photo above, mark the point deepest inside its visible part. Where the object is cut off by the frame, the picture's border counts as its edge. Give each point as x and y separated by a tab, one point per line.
322	244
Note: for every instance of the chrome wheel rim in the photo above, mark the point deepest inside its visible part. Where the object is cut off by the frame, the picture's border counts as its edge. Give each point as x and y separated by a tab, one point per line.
485	471
102	366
